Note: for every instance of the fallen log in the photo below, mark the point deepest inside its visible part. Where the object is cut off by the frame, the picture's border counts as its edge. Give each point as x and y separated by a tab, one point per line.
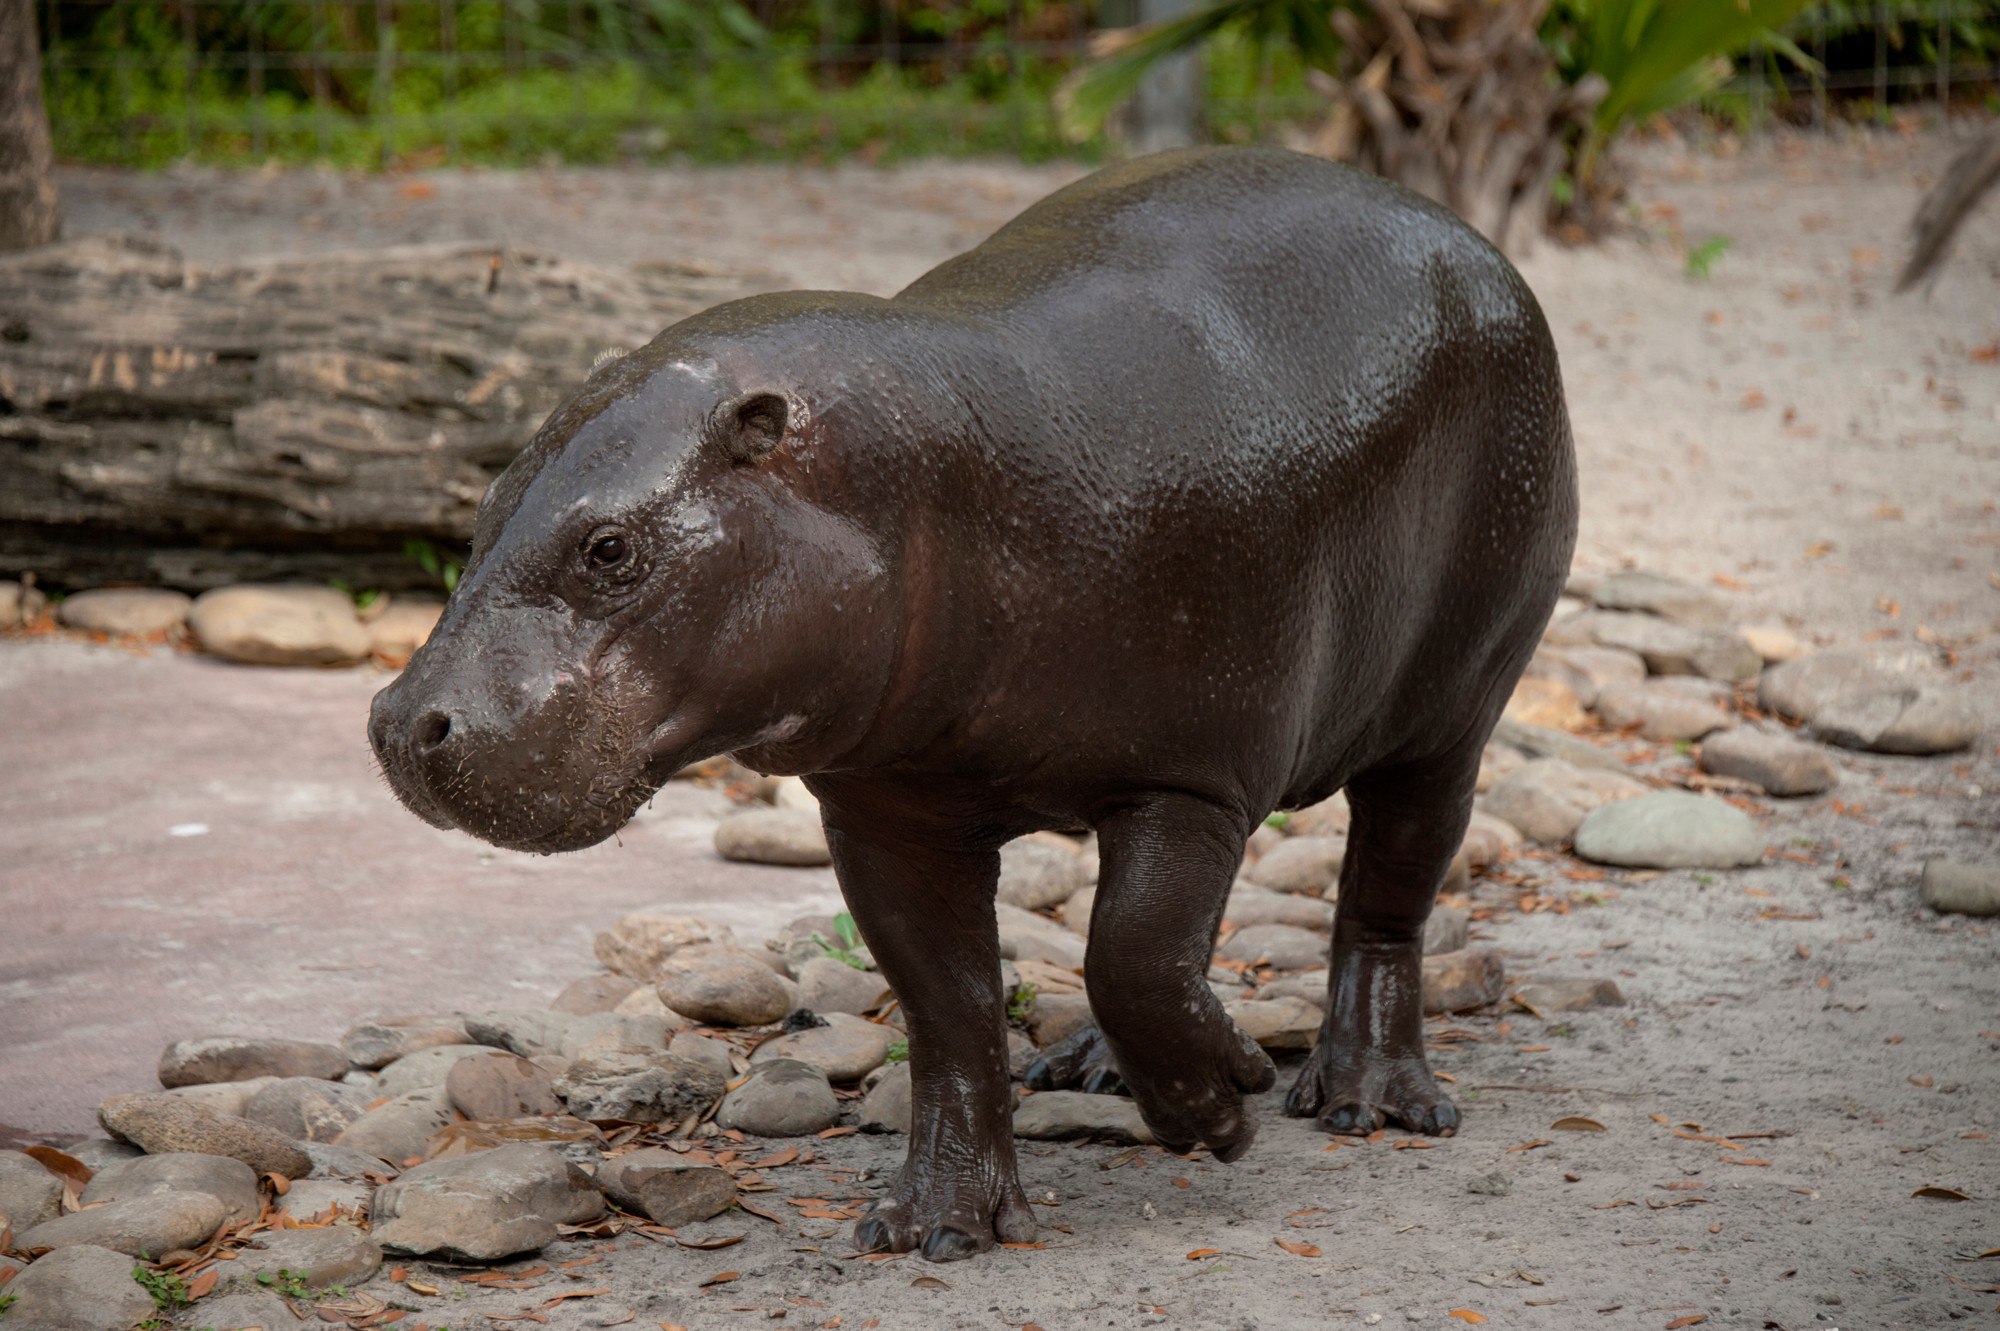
168	423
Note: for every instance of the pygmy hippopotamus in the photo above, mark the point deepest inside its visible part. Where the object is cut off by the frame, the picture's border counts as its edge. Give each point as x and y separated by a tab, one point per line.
1215	483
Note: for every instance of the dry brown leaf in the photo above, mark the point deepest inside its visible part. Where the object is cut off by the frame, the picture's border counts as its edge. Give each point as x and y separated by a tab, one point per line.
1529	1146
1692	1319
1180	1182
279	1183
722	1278
63	1165
1469	1317
1200	1253
1297	1249
928	1282
203	1283
1576	1123
726	1241
1931	1190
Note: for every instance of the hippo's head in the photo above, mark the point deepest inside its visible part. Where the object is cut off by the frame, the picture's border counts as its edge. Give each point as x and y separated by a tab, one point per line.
664	574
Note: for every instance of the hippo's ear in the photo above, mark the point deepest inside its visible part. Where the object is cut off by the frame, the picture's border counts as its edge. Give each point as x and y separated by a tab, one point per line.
748	427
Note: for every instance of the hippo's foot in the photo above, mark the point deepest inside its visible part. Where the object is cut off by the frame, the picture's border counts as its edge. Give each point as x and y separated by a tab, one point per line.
1357	1092
1080	1061
946	1218
1190	1091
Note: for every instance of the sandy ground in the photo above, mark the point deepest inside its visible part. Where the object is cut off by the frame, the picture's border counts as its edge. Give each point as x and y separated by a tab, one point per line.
1788	425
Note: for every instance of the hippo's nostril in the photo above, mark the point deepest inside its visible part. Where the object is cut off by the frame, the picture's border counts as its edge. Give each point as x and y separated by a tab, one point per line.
430	731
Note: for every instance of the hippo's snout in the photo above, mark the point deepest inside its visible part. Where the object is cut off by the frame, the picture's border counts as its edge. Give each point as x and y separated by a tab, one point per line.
514	750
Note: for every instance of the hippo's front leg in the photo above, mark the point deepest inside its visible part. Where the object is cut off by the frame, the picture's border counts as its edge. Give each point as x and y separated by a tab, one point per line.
925	907
1167	866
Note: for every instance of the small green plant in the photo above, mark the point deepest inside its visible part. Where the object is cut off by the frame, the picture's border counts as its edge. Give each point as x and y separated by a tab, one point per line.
848	939
1703	878
167	1290
1018	1002
1701	261
1683	747
1840	883
1277	820
1563	1030
426	556
899	1052
6	1302
362	599
290	1283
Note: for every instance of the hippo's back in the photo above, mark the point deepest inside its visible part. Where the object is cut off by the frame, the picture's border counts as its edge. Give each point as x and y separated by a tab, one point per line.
1313	415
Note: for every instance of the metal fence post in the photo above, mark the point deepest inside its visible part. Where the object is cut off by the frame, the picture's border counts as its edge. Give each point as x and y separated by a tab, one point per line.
1164	110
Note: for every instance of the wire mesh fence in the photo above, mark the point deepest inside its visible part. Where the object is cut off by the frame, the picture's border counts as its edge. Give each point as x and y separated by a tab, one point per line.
423	82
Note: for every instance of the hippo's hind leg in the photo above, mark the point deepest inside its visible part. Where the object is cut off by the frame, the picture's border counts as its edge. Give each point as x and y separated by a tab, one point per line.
1368	1066
1167	865
924	901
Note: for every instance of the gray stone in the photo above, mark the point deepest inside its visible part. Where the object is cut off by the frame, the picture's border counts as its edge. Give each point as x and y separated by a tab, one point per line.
1459	981
1657	594
1775	764
1676	649
484	1207
376	1044
1021	1051
595	993
1052	1016
309	1198
424	1070
667	1188
773	836
1670	829
1070	1115
639	1086
306	1108
1861	702
500	1085
1306	986
1962	889
1548	798
80	1288
331	1161
1309	865
846	1049
1027	936
103	1152
162	1123
230	1182
1040	871
20	605
1249	906
148	1223
700	1049
1495	1184
224	1097
400	1130
640	942
723	986
1445	930
1542	742
279	625
780	1098
1599	666
1283	946
1076	911
334	1255
1550	693
238	1058
29	1194
243	1310
1329	817
1569	994
1774	642
137	611
1660	711
1277	1022
886	1107
826	985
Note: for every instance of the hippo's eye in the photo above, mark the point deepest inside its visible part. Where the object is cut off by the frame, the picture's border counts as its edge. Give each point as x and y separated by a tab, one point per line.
607	552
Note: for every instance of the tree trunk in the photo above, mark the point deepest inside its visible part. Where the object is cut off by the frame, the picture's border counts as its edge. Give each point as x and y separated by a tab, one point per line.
1458	100
1974	171
27	167
297	418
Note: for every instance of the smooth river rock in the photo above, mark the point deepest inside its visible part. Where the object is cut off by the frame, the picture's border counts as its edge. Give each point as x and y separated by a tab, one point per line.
230	1182
780	1097
773	836
1775	764
723	986
223	1058
137	611
666	1187
81	1288
279	625
160	1123
484	1207
1670	829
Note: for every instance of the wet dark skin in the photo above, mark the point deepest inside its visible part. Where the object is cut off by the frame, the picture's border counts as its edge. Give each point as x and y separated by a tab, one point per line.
1215	483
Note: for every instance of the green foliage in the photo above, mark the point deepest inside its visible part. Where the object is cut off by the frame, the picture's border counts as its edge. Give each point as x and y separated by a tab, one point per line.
1021	1001
167	1290
426	556
899	1052
1655	56
290	1283
362	599
1277	820
6	1302
848	938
